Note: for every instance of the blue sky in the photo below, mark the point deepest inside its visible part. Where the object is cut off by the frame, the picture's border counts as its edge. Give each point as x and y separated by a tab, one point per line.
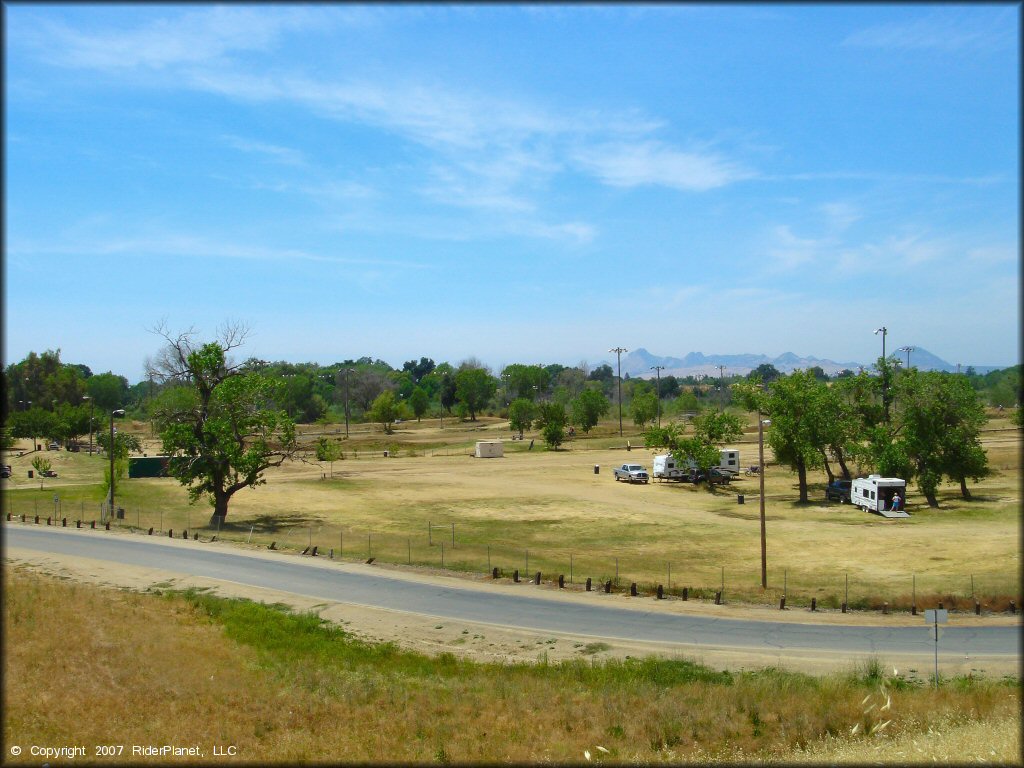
532	183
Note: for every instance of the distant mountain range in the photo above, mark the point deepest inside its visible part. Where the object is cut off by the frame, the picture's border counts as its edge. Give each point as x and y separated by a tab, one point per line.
639	362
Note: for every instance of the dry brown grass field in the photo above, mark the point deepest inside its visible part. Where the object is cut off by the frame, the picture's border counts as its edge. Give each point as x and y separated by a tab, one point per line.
544	510
87	666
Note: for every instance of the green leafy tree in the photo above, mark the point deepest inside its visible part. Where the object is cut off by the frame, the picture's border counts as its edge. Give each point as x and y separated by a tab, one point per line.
795	405
419	401
526	381
418	370
41	466
937	425
447	390
474	387
551	419
717	427
215	422
328	450
686	403
520	415
69	423
32	423
385	410
1017	417
125	443
684	448
107	390
765	373
588	408
644	408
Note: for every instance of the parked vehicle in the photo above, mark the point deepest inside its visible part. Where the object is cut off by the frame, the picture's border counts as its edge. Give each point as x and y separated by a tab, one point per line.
5	470
667	468
632	473
714	476
48	473
875	493
53	446
752	470
838	490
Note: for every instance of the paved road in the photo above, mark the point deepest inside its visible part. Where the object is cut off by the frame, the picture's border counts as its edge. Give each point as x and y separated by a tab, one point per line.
343	585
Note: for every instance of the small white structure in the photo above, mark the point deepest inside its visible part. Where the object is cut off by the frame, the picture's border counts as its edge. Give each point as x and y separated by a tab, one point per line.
490	449
874	493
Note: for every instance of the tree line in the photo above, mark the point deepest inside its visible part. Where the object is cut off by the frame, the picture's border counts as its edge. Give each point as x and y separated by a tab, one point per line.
223	423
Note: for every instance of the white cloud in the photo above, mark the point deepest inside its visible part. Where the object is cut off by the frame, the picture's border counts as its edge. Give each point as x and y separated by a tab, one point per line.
909	250
654	163
994	254
192	37
948	30
285	155
187	246
788	251
840	216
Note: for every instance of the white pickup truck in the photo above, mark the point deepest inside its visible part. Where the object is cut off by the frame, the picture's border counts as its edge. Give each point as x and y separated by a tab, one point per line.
633	473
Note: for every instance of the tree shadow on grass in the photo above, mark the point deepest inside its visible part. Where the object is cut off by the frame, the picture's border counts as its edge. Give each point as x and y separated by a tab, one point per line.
279	523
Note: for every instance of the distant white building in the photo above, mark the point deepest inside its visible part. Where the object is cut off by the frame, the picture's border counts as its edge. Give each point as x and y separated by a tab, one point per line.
490	449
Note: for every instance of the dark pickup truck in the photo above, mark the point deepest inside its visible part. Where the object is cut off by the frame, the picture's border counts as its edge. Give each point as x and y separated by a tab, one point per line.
838	490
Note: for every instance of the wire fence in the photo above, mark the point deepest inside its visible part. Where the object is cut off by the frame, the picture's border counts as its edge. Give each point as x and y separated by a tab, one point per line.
456	547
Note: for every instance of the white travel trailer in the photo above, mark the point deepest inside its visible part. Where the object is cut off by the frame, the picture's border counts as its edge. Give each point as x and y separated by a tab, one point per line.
667	468
874	493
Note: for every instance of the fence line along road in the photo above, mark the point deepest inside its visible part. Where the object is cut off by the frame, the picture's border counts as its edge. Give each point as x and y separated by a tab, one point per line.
451	547
533	611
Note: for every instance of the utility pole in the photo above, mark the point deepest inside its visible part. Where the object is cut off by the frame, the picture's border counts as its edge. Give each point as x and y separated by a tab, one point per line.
347	372
110	449
760	460
721	387
885	377
658	369
618	352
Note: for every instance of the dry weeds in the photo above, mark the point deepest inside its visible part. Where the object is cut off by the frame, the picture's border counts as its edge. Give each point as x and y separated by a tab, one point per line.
91	666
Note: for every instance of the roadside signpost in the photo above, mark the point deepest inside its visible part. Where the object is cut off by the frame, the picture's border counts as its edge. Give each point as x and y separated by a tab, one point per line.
934	617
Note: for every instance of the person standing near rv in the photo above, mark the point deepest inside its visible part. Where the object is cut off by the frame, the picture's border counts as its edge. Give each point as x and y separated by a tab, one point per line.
896	502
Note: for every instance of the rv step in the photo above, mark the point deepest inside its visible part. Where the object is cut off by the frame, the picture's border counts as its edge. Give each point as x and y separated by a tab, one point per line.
890	514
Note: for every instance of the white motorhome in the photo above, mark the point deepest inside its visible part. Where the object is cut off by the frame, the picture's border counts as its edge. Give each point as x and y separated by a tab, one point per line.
874	493
667	468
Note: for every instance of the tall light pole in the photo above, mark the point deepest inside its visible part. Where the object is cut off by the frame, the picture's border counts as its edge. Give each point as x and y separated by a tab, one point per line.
347	372
883	330
760	460
86	397
721	387
885	379
658	369
618	352
110	450
908	350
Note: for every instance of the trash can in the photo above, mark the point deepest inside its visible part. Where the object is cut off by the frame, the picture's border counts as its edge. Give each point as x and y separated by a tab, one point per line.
597	469
739	498
386	454
30	474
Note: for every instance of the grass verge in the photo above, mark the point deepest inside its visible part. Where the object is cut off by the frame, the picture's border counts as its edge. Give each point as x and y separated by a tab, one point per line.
91	666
